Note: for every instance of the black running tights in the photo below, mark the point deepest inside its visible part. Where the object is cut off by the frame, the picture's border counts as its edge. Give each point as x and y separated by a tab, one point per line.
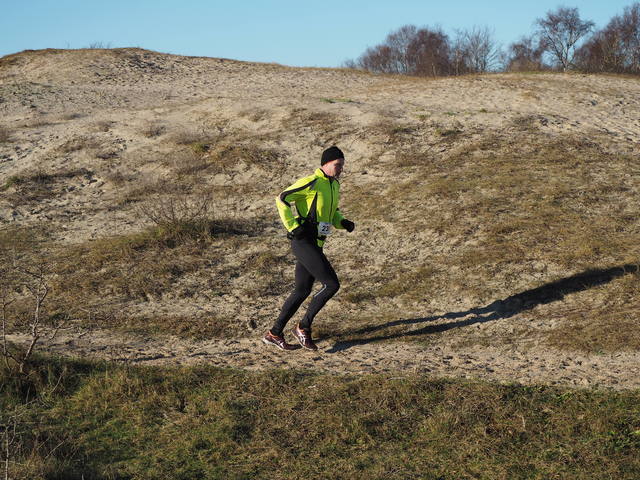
311	265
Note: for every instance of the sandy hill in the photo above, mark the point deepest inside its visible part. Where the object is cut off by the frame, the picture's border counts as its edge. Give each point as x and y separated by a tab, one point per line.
497	216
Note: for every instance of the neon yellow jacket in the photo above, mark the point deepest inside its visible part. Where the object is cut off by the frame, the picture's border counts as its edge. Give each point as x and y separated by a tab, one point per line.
316	200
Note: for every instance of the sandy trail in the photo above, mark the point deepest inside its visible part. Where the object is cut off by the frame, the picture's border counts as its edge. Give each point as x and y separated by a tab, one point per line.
616	371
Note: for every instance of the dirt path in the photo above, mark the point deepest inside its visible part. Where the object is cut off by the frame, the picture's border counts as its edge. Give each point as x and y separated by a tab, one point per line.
616	371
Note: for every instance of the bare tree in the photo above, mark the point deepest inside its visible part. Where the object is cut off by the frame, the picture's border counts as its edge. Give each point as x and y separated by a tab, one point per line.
399	43
428	53
525	55
560	31
475	51
378	59
615	48
408	51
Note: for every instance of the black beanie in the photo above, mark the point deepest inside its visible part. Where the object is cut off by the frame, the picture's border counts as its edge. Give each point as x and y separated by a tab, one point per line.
331	153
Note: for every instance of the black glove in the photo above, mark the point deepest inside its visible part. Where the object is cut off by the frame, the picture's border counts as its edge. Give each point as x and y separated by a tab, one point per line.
348	225
296	233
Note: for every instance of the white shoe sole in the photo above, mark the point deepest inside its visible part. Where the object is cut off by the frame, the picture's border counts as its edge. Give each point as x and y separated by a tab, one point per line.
267	342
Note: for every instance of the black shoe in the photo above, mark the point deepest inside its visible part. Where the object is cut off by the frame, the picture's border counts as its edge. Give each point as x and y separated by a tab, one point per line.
271	339
304	337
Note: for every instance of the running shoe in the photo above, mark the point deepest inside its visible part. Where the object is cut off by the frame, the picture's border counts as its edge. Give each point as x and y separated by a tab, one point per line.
304	337
271	339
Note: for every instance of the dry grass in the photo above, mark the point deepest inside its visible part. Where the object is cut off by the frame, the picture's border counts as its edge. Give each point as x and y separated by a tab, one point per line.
607	321
393	132
182	259
71	116
83	142
187	161
249	153
35	186
152	130
119	177
5	134
191	136
93	146
322	125
205	422
102	126
500	216
255	114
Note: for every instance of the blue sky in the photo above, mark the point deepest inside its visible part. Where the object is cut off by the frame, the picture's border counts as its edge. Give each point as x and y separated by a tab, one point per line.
296	33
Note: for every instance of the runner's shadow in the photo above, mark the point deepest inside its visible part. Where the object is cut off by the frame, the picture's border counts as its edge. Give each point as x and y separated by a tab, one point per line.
497	310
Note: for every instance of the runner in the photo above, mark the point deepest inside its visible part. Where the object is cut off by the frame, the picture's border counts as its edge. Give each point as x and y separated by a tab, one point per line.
316	200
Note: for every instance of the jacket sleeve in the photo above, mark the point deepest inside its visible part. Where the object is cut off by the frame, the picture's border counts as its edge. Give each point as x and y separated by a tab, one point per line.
337	218
298	191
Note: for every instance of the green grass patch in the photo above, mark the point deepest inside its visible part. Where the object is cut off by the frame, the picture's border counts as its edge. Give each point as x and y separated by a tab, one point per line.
337	100
80	420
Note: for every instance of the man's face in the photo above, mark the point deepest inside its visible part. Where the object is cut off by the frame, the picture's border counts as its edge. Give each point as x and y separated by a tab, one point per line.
334	167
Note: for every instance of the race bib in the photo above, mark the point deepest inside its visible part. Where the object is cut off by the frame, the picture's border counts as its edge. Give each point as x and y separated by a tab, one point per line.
324	229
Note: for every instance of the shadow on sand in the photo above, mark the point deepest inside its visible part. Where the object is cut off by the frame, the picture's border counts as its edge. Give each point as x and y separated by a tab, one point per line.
497	310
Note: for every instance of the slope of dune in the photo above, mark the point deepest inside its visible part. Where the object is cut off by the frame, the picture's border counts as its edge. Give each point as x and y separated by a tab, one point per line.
497	220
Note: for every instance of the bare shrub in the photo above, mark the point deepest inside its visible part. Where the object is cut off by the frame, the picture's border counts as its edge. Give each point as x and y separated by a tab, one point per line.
191	135
23	293
99	45
152	130
178	208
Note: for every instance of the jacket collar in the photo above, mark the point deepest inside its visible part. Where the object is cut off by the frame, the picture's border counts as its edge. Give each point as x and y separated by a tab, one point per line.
320	173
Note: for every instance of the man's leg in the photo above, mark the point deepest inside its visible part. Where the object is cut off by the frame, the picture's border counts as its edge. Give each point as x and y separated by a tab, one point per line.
316	263
302	289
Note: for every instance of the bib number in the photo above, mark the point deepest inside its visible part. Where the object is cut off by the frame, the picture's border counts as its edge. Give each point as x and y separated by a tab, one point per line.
324	229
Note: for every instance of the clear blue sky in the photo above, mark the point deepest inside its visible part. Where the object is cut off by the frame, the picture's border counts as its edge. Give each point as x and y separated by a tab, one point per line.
297	33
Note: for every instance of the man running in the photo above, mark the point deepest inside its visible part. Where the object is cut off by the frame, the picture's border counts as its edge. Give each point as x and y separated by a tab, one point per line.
316	200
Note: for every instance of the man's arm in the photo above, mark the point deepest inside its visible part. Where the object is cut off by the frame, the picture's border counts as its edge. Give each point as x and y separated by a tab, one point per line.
298	191
340	222
337	219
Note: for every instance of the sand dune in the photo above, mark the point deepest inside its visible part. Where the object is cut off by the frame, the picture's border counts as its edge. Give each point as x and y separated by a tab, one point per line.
102	123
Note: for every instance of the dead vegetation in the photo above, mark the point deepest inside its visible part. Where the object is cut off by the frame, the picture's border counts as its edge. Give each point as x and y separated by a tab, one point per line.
152	130
451	215
5	134
103	126
498	217
34	186
82	142
26	272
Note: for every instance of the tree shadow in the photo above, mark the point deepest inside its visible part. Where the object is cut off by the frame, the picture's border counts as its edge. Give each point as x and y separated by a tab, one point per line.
497	310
